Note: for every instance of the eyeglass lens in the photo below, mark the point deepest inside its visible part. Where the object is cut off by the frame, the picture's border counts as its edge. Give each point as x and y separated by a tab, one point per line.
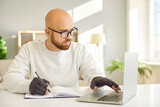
73	32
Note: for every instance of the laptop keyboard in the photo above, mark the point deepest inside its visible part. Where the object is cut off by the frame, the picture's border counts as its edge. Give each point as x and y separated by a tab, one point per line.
113	96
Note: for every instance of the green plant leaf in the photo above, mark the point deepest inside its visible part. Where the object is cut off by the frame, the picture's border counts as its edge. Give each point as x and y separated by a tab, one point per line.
150	71
141	71
3	49
117	64
114	65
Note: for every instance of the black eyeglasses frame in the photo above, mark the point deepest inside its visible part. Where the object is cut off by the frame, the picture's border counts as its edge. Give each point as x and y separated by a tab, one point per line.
64	31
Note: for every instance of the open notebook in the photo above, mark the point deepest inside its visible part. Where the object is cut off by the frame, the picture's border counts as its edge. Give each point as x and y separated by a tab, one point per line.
57	92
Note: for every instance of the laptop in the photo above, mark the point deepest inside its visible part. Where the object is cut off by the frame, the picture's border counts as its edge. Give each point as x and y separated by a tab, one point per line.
129	85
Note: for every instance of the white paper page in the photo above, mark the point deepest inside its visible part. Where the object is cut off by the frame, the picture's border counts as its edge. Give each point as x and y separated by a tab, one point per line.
57	91
65	92
36	96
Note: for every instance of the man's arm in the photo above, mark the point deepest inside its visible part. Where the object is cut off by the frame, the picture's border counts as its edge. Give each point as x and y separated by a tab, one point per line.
14	79
88	66
92	74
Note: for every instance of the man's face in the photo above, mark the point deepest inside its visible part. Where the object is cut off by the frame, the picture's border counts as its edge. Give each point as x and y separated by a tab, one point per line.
60	43
58	21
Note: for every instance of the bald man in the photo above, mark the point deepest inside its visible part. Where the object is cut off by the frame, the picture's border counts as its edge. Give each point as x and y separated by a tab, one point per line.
57	60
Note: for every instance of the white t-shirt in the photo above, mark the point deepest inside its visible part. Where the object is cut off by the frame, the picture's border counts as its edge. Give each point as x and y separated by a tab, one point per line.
61	68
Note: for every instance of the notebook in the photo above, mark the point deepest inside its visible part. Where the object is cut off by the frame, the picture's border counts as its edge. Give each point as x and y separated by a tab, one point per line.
129	85
57	92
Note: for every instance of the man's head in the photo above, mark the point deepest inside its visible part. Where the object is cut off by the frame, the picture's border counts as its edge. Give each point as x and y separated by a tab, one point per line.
58	24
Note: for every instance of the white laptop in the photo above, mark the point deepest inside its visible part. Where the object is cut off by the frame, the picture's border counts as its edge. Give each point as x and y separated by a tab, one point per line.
129	85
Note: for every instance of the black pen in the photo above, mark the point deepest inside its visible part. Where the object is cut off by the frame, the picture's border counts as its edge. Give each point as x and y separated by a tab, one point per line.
39	77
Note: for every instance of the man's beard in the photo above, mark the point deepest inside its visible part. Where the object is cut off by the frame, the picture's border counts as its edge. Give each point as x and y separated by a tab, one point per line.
60	45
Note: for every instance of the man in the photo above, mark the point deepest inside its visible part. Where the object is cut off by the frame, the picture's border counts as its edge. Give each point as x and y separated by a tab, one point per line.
57	60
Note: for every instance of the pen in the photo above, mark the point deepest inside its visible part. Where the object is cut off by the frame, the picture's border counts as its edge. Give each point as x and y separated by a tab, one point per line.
39	77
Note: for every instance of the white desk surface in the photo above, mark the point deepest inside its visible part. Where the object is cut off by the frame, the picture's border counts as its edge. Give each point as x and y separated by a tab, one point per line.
146	96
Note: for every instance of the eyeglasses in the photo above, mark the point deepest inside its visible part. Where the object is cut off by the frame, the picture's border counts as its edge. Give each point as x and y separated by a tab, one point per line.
65	34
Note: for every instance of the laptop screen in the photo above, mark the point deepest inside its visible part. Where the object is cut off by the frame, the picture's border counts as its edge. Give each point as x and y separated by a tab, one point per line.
130	75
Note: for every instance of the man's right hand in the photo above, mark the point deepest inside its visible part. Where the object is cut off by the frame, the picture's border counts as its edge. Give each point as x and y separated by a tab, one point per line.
39	86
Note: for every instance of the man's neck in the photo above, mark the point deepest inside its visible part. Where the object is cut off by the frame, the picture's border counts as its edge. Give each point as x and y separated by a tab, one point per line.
51	46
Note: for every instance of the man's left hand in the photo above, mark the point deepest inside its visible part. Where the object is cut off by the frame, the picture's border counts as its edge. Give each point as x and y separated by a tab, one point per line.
102	81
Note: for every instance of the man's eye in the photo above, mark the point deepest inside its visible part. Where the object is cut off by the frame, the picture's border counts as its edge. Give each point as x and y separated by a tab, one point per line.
65	32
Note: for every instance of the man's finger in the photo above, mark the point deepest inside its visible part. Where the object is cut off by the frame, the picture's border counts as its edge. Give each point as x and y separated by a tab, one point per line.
119	88
93	84
46	92
40	88
46	81
113	87
48	87
42	83
39	92
95	88
116	89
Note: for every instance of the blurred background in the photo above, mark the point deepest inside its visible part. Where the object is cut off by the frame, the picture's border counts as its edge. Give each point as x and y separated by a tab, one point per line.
108	28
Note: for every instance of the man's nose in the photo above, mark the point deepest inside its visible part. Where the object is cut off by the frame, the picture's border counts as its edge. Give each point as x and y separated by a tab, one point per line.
69	36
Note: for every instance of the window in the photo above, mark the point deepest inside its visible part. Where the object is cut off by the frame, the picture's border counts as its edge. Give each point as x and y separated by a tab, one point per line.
154	30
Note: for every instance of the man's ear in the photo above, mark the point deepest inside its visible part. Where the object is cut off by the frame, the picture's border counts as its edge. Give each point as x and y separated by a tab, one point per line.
47	32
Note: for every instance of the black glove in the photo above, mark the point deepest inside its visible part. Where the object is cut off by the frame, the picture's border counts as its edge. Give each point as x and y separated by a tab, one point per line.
38	86
101	81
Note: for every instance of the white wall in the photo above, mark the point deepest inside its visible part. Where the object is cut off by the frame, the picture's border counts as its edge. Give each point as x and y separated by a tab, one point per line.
138	27
138	38
116	36
18	15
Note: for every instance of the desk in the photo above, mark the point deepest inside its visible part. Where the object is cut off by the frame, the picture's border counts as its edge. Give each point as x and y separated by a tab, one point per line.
147	96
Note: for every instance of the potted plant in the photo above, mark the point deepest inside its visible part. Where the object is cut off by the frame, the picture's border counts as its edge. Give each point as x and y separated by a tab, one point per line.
3	49
117	64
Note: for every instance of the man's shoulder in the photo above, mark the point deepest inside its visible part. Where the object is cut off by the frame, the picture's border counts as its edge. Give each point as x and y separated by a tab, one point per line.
33	44
77	45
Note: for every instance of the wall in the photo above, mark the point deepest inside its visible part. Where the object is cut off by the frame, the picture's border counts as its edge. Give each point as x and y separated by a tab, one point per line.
154	78
18	15
138	27
115	30
138	37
